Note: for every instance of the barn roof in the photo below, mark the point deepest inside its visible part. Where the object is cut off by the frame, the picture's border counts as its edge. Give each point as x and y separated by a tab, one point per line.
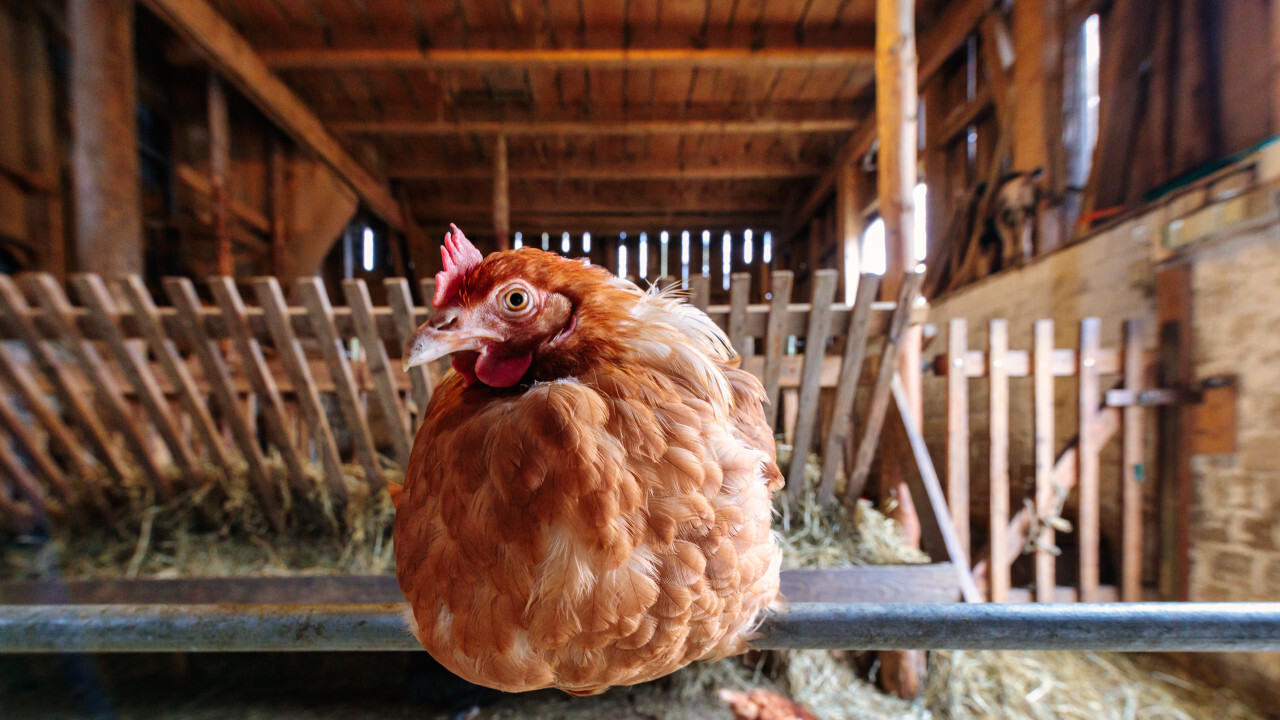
617	114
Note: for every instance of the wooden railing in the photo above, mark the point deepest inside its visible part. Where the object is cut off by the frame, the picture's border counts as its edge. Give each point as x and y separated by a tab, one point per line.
116	386
1057	473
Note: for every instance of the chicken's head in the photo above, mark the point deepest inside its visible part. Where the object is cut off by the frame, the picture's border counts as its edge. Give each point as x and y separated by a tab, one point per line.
517	315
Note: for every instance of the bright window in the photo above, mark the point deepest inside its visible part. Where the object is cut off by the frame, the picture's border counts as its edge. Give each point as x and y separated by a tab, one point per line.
874	259
367	249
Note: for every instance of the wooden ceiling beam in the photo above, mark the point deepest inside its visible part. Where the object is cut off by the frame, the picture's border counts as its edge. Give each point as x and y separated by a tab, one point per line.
232	56
531	227
589	58
617	173
945	36
757	126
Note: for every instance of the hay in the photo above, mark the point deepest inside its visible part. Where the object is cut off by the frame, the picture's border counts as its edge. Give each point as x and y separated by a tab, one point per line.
1069	686
216	528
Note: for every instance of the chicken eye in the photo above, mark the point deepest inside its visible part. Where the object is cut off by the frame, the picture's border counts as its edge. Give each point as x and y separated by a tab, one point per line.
516	300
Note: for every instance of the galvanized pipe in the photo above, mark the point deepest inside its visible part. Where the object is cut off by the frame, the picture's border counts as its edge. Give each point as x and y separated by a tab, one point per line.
1204	627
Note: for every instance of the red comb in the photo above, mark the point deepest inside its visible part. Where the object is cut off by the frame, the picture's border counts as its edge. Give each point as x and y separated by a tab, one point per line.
459	257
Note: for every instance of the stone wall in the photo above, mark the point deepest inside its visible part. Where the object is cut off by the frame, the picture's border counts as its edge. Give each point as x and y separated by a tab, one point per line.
1235	528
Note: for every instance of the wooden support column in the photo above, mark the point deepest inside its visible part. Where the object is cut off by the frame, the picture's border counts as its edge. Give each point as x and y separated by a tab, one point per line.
501	195
45	221
1173	312
281	187
896	107
848	232
219	167
104	130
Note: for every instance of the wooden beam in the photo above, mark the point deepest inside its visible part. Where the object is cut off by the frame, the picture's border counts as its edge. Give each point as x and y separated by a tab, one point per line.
230	54
481	59
943	38
615	173
104	149
219	169
501	195
744	126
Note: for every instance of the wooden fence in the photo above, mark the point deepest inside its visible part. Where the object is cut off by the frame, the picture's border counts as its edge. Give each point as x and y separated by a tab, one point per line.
115	386
1076	468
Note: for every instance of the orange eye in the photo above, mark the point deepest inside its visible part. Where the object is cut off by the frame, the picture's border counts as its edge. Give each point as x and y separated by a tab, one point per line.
516	299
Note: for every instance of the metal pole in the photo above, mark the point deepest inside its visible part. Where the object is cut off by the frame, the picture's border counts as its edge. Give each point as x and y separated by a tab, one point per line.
1199	627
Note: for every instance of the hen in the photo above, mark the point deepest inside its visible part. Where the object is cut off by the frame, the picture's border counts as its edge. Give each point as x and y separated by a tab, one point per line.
588	500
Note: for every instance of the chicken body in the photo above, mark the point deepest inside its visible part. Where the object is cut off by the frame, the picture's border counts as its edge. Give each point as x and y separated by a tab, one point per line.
604	520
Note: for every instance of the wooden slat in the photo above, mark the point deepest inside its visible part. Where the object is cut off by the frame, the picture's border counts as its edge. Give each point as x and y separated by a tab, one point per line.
16	515
317	302
95	296
182	294
175	369
400	299
357	294
855	350
739	296
775	341
1046	495
815	345
700	291
1134	471
958	429
934	495
79	461
77	408
1018	362
1089	526
254	366
879	401
51	298
271	299
1001	559
11	420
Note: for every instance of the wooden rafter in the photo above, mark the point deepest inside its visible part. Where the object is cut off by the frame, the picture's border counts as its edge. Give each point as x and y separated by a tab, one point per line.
230	54
594	58
728	171
768	126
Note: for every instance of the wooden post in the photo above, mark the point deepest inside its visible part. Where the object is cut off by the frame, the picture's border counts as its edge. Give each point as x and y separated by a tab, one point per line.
896	107
219	167
501	195
998	378
45	215
1046	493
1173	311
1133	473
104	130
280	197
1089	525
958	429
848	233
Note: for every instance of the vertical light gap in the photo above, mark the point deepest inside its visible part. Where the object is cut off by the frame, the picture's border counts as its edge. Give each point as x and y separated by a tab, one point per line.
684	259
367	249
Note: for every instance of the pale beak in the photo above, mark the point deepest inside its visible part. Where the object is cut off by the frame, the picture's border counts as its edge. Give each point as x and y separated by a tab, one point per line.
430	342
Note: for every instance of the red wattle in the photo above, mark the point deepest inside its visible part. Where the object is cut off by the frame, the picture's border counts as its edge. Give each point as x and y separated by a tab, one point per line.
502	371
